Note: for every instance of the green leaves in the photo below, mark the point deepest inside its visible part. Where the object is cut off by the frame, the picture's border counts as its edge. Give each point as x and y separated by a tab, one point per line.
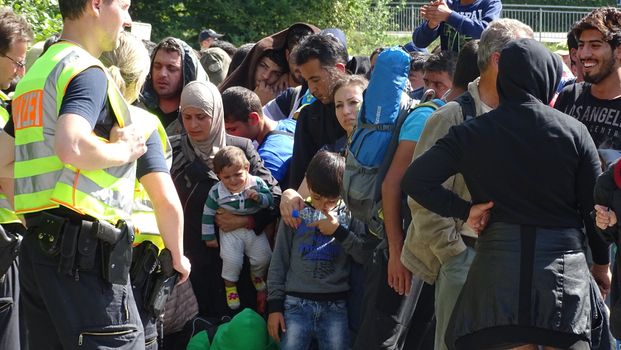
43	16
364	21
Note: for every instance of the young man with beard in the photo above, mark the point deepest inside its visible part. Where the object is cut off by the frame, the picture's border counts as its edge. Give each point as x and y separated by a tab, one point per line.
174	64
596	102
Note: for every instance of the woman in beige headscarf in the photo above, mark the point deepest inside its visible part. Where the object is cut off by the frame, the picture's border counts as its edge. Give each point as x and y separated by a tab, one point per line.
202	116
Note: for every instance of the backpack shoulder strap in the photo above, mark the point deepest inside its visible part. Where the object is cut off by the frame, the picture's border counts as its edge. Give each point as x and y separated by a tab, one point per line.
294	97
466	102
279	132
406	110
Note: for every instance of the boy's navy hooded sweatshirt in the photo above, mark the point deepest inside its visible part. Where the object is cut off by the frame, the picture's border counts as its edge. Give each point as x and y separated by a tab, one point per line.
465	23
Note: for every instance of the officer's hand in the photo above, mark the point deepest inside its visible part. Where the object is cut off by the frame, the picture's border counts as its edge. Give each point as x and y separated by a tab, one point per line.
133	137
183	267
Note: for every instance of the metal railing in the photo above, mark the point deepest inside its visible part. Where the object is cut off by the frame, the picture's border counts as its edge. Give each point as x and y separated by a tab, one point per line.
542	18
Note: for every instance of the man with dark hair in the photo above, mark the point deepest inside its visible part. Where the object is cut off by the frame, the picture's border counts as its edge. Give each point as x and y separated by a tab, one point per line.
415	75
294	36
466	70
322	60
75	187
173	65
269	75
438	72
15	34
595	102
243	117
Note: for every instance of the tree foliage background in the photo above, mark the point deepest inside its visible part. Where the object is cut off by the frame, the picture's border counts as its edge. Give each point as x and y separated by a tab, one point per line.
250	20
364	21
43	15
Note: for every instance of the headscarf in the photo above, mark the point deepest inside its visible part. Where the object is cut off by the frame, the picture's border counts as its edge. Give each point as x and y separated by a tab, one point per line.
206	97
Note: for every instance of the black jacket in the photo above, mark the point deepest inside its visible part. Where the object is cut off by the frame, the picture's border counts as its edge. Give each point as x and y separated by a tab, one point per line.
317	126
537	164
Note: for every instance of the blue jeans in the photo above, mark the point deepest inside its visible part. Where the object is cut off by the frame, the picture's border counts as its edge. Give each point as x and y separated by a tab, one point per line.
324	321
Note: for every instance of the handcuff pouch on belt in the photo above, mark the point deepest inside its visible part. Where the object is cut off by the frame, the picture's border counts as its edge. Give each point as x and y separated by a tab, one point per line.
48	229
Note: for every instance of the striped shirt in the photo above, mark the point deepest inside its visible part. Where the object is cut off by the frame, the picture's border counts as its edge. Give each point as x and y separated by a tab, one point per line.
237	203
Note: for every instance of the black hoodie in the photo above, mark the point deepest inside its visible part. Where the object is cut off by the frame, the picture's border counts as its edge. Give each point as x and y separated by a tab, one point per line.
537	164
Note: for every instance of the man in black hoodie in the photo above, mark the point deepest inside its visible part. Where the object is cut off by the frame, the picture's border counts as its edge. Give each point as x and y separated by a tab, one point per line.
530	170
173	65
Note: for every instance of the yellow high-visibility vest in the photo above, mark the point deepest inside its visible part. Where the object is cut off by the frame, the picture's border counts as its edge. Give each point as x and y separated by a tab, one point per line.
42	180
7	215
143	216
4	114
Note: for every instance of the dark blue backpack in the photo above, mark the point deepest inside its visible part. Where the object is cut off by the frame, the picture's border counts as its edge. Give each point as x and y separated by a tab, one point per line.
375	140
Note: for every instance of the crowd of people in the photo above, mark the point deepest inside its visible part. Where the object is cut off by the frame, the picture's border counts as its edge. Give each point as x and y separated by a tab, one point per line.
284	194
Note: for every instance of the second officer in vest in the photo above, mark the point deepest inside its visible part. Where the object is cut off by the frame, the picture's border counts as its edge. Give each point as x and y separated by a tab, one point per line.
75	151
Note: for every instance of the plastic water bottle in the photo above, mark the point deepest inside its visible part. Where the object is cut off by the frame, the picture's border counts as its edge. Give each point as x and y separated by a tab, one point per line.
308	214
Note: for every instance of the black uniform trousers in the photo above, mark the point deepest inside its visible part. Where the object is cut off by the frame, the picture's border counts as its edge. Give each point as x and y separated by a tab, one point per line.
12	328
75	312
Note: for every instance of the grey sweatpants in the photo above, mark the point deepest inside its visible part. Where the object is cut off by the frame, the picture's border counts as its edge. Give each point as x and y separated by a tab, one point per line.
234	244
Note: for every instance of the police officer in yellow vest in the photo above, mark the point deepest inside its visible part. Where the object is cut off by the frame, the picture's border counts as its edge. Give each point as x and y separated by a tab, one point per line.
13	45
159	217
75	149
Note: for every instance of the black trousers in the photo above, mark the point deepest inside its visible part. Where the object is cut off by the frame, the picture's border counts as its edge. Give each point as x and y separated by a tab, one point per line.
63	312
12	324
9	309
391	321
149	324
